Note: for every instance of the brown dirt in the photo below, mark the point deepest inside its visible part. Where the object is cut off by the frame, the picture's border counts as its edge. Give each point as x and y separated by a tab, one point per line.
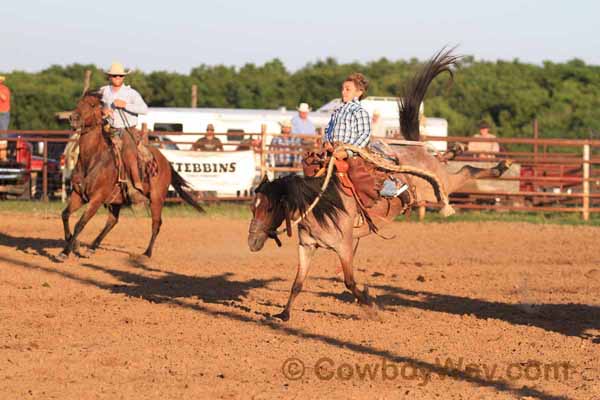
193	322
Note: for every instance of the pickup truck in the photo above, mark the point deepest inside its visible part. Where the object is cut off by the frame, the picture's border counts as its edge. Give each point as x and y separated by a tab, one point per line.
21	174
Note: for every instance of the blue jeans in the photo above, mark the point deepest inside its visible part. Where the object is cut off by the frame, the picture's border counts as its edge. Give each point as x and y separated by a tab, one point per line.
390	189
4	120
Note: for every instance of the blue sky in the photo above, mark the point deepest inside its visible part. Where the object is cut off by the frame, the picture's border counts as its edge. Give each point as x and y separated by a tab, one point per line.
176	35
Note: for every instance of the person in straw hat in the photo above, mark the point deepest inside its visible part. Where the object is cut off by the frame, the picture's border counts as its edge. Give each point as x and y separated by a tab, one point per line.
285	146
122	105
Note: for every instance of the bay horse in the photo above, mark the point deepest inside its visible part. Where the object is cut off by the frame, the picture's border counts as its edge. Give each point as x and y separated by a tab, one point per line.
327	217
100	185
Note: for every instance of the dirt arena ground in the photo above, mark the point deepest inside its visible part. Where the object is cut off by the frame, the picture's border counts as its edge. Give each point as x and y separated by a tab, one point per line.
466	311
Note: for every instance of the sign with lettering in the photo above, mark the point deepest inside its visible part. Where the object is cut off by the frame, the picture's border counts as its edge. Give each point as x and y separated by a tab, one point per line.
224	172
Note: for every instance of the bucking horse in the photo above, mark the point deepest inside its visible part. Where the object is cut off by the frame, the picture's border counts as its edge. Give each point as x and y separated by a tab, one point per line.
328	217
100	184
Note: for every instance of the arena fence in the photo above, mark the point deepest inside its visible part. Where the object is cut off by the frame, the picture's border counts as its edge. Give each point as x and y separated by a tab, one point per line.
547	175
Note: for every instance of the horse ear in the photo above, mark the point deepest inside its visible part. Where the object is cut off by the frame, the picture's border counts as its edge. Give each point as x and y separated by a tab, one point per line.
265	179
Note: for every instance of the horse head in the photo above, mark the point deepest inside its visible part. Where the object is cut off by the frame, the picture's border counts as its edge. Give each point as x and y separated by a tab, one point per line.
269	210
88	112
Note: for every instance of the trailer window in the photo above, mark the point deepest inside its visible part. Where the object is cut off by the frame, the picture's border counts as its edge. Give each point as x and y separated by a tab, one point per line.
167	127
236	135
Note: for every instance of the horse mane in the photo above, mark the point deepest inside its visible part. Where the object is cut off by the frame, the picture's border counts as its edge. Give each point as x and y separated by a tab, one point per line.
92	94
413	91
298	193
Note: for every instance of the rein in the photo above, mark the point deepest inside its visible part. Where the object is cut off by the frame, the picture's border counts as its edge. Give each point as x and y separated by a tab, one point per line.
289	224
126	123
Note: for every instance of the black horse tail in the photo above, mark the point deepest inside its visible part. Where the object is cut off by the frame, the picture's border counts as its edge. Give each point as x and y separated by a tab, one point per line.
180	184
413	92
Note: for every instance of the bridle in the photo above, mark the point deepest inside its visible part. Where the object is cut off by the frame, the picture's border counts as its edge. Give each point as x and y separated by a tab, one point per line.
82	130
272	233
257	226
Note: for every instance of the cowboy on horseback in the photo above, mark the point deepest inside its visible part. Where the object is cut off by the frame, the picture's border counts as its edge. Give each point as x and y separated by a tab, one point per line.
122	105
350	124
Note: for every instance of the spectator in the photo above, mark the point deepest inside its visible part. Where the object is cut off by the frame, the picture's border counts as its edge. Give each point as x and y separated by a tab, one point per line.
377	128
4	105
286	143
300	123
482	149
208	142
4	116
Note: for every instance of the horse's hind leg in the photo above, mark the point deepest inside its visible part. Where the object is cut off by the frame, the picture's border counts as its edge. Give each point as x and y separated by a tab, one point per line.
156	205
305	253
87	215
75	203
468	173
111	221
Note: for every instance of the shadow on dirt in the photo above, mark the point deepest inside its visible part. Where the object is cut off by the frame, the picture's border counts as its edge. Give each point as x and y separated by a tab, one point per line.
37	246
567	319
173	288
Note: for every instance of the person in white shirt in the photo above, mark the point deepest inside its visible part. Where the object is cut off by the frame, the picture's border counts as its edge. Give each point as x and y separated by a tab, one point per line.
122	105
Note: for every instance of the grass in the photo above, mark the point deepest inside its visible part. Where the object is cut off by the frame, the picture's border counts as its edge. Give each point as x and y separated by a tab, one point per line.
528	217
54	208
242	211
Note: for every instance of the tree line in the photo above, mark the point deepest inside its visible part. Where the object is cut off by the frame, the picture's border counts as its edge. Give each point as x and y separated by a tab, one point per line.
564	97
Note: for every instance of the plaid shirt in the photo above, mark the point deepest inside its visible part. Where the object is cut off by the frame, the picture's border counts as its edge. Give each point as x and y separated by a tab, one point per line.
349	123
286	143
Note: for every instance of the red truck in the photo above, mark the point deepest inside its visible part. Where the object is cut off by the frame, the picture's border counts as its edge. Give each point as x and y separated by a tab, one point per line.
21	176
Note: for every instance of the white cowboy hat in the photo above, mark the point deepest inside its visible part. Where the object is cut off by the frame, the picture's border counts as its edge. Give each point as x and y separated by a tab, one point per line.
286	123
116	68
303	107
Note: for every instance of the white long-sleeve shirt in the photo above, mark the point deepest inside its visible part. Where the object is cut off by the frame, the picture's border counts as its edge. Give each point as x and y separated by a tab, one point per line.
135	105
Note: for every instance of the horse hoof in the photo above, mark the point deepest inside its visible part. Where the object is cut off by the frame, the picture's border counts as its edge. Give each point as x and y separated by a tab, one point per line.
282	316
62	256
81	255
139	257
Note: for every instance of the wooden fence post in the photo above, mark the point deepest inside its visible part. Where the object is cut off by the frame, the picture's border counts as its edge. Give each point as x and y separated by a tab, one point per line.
263	150
45	173
586	182
422	211
86	80
194	96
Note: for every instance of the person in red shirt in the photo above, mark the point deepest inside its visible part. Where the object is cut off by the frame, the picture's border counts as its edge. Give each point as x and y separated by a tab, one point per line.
4	116
4	105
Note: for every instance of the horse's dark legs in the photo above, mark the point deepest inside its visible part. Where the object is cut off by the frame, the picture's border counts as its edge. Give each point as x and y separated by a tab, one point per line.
87	215
468	172
156	205
305	253
346	255
111	221
75	203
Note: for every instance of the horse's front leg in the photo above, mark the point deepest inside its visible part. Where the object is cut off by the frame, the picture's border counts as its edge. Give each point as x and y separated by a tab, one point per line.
346	254
75	203
87	215
305	254
111	221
